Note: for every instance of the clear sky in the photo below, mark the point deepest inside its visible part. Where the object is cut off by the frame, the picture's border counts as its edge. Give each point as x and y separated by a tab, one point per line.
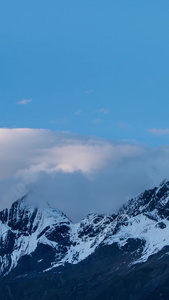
89	67
84	94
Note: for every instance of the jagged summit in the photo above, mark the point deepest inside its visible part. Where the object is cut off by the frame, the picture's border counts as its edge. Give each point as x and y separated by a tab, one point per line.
47	238
154	201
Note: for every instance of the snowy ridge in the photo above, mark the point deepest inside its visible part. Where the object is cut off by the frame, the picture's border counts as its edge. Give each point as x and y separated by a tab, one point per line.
29	231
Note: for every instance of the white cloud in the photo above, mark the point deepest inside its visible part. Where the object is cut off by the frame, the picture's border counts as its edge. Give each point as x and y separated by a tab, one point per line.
34	150
78	112
123	125
74	173
159	131
103	111
89	91
96	121
24	102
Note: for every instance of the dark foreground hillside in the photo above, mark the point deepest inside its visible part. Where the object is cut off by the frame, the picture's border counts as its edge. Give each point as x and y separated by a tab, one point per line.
103	275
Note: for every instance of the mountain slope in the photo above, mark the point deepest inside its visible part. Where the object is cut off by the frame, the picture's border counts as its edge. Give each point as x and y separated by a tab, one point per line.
51	239
40	244
103	275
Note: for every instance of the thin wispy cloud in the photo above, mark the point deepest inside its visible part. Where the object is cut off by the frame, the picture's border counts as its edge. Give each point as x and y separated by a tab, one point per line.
24	102
159	131
96	121
89	91
78	112
103	111
123	125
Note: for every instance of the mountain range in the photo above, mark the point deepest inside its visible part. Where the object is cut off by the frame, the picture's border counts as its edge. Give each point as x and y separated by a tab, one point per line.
125	255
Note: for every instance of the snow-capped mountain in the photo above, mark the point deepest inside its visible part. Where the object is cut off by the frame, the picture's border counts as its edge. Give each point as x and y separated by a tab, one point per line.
43	238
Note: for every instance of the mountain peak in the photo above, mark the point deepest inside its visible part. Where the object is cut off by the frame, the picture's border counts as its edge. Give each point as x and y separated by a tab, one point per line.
30	230
156	199
28	204
163	182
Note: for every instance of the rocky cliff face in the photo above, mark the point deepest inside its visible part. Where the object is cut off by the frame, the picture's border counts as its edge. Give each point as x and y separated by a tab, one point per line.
40	239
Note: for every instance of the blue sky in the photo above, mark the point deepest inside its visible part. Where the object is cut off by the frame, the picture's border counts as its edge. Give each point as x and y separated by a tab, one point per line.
89	67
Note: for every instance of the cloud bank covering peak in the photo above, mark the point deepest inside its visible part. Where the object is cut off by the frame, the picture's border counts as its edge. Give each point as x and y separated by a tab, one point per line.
74	173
